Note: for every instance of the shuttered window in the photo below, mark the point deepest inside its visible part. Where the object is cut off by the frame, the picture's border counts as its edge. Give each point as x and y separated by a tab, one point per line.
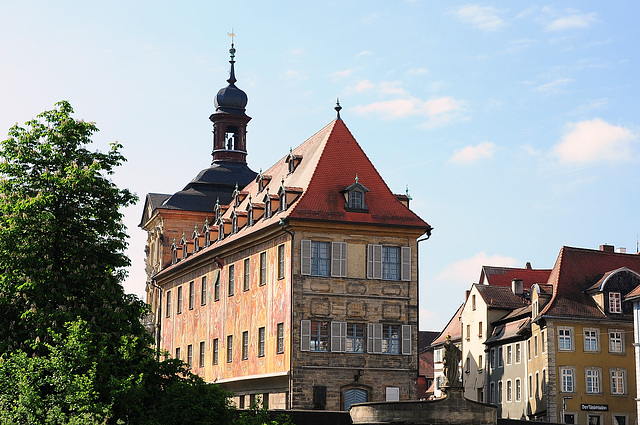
388	262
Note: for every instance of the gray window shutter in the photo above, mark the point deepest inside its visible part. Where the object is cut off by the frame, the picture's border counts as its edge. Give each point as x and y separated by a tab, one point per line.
338	336
339	259
305	257
377	337
406	339
369	337
374	261
406	262
305	335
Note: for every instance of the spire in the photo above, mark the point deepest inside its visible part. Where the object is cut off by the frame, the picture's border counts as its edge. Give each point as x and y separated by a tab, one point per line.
232	72
338	108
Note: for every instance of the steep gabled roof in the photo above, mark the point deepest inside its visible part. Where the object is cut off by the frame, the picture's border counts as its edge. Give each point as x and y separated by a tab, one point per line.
575	271
502	276
500	297
330	160
453	328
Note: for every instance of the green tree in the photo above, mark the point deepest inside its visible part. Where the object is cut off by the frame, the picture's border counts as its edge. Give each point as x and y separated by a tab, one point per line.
72	347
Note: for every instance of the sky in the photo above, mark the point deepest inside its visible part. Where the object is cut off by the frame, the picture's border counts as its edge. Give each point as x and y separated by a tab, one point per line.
515	126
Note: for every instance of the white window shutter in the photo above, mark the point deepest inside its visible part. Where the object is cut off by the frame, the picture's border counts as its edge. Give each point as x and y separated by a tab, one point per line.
305	257
374	261
305	335
339	259
405	254
336	337
406	339
377	337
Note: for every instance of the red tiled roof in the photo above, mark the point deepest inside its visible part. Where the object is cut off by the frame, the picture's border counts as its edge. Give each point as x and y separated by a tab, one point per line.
425	365
509	330
633	294
500	297
576	270
502	276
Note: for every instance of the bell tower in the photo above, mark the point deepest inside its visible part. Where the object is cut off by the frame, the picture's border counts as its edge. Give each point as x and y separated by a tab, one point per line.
230	120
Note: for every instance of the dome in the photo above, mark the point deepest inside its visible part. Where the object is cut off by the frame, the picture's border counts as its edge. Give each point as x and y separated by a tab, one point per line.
231	100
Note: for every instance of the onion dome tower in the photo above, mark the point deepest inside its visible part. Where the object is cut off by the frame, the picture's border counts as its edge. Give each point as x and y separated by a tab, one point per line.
229	166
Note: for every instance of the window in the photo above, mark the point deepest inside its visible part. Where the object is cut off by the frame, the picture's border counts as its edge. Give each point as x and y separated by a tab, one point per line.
261	339
201	363
215	351
593	380
388	262
492	358
565	342
231	283
500	357
319	258
281	262
189	355
263	268
437	355
216	286
280	344
618	379
247	275
535	345
567	376
323	259
356	200
245	345
492	393
319	336
529	349
229	348
391	339
543	384
203	291
168	304
499	392
530	386
467	368
537	384
518	389
591	340
191	295
594	419
518	353
468	332
619	419
509	391
473	302
355	338
177	352
615	302
480	365
615	341
569	418
509	354
544	341
480	330
179	299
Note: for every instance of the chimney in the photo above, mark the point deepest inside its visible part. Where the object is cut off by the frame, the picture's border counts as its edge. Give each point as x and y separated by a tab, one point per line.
528	266
606	248
621	250
517	286
466	294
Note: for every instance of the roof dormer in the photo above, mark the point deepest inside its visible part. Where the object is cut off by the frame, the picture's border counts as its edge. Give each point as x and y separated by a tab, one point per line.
262	180
293	161
354	196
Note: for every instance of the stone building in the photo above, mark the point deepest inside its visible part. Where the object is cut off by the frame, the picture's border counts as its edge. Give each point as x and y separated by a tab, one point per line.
301	286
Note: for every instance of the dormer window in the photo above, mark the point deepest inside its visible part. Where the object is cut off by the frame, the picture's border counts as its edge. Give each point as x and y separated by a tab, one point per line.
267	205
615	302
282	194
355	197
293	161
220	229
249	213
234	223
217	209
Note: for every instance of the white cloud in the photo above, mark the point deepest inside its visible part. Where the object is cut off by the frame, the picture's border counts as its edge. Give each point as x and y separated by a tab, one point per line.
296	51
364	86
364	53
554	86
426	317
295	75
391	87
482	17
470	154
411	106
594	141
467	271
569	19
418	71
342	74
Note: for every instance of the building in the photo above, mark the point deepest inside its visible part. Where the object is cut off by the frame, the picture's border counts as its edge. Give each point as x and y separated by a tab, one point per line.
634	298
302	288
577	360
500	291
425	360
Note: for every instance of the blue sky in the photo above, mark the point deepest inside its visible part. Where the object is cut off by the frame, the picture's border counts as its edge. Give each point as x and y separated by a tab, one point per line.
515	125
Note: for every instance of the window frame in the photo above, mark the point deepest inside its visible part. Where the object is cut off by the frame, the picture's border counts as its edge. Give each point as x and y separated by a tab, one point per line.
245	345
565	334
246	283
263	268
615	302
567	385
622	378
591	338
281	262
201	354
216	352
229	348
203	290
280	336
612	340
518	390
179	301
192	294
190	356
231	277
261	341
168	304
593	380
518	350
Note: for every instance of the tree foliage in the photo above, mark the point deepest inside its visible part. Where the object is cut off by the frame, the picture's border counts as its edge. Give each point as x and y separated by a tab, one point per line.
72	347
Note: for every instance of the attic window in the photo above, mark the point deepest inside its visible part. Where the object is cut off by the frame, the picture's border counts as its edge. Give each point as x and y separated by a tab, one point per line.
267	205
293	161
262	180
217	209
355	197
249	213
282	193
234	223
220	230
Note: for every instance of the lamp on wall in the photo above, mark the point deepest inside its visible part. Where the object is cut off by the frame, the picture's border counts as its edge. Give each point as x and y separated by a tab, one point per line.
358	374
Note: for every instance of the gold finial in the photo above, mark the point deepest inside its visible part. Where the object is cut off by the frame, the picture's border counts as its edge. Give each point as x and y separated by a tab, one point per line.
231	34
